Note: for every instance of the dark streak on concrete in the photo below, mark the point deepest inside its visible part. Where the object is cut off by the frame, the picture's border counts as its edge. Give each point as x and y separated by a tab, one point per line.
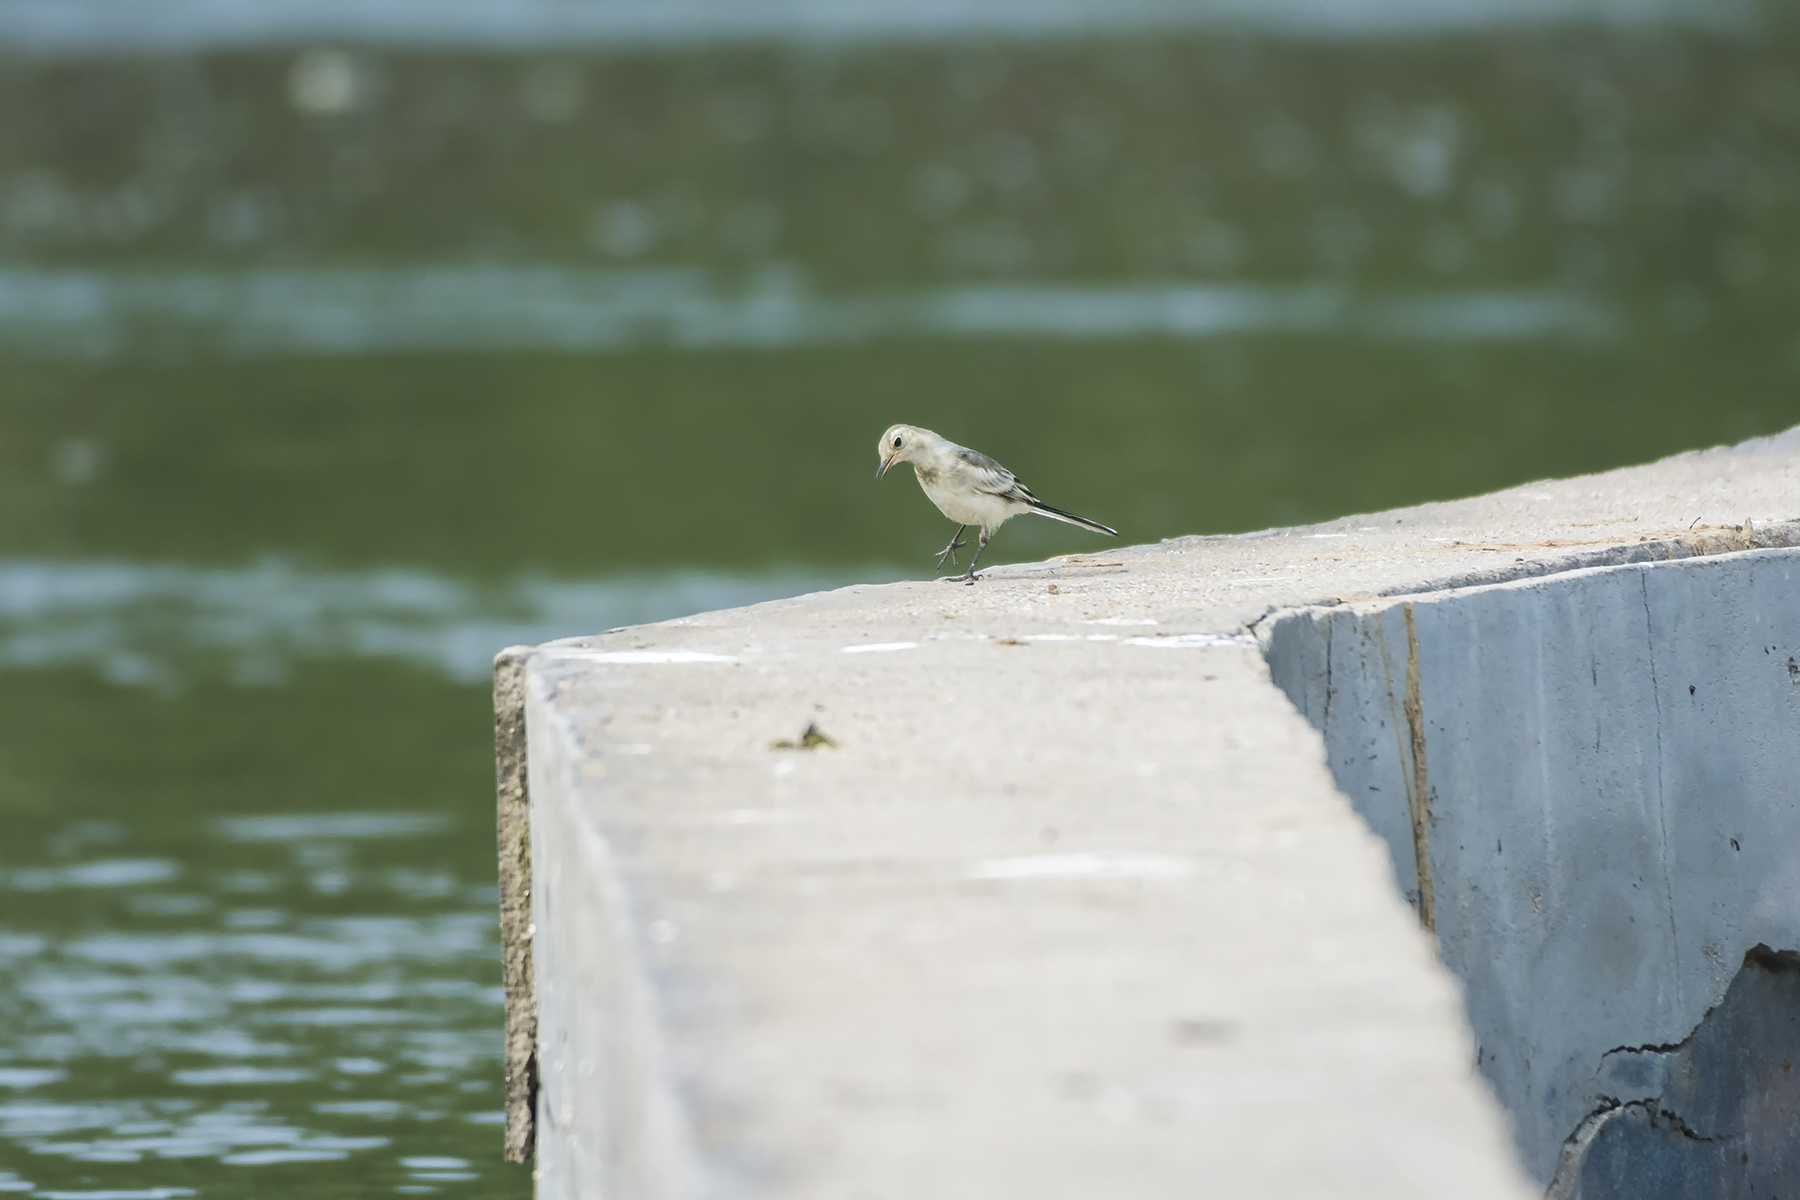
1418	794
1662	798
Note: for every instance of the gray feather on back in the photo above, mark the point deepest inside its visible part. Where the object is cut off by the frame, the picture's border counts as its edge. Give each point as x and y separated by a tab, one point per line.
990	477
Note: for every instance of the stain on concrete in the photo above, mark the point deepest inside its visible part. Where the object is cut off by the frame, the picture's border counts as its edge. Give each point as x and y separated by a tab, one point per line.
1407	712
1418	795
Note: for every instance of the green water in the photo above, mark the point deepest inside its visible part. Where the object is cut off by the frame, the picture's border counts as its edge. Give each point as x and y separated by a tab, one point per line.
297	428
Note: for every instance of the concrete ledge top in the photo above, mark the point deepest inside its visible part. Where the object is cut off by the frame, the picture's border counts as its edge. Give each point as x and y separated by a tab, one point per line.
1702	502
1070	907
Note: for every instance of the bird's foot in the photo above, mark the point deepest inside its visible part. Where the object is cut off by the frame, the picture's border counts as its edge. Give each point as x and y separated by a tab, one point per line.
949	552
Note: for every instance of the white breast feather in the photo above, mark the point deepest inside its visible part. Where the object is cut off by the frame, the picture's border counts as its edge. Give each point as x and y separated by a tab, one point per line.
971	495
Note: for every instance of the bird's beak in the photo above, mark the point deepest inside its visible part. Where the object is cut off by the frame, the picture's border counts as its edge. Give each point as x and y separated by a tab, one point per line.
885	464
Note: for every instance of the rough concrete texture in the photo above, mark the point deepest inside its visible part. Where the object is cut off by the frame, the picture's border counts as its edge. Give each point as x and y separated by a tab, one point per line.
1072	907
1599	772
1717	1115
514	838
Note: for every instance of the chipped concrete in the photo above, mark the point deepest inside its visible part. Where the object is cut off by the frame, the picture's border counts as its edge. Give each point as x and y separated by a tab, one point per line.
1074	906
1716	1114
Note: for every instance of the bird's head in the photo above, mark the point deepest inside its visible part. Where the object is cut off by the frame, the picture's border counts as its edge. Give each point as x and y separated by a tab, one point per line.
896	446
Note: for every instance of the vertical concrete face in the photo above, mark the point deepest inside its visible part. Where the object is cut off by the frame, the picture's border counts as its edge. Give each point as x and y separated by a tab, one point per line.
1611	806
608	1118
513	830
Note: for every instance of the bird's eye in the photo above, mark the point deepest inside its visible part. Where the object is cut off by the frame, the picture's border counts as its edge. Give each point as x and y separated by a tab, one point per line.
896	442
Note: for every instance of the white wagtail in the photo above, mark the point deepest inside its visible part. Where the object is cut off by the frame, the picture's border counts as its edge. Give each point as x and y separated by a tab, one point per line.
968	487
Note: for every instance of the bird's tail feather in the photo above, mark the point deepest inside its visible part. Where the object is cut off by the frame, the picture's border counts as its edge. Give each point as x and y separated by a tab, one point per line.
1044	510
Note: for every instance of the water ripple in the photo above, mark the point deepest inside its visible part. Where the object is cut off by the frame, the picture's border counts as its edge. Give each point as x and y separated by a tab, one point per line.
154	624
104	314
248	1044
106	25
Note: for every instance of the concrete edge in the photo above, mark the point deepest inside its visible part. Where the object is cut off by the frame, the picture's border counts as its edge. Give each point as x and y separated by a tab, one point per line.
1731	539
1707	543
513	837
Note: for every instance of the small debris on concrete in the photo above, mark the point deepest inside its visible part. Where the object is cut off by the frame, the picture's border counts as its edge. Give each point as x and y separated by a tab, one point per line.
812	739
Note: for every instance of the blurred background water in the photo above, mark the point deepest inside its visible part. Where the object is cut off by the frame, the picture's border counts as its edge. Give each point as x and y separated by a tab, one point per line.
342	344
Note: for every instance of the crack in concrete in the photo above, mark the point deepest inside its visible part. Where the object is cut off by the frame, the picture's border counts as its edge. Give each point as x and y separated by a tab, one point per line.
1567	1176
1760	955
1654	1047
1674	1120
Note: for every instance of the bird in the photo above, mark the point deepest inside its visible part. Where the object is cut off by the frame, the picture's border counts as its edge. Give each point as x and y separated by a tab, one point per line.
968	487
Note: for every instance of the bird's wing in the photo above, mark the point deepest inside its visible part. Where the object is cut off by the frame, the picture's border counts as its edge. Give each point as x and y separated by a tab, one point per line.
989	476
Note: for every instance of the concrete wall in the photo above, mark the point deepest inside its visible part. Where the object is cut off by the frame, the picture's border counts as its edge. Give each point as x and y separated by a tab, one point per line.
1075	903
1590	787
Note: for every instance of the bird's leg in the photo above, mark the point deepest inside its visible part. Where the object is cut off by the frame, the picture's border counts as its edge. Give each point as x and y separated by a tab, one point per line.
970	577
949	552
